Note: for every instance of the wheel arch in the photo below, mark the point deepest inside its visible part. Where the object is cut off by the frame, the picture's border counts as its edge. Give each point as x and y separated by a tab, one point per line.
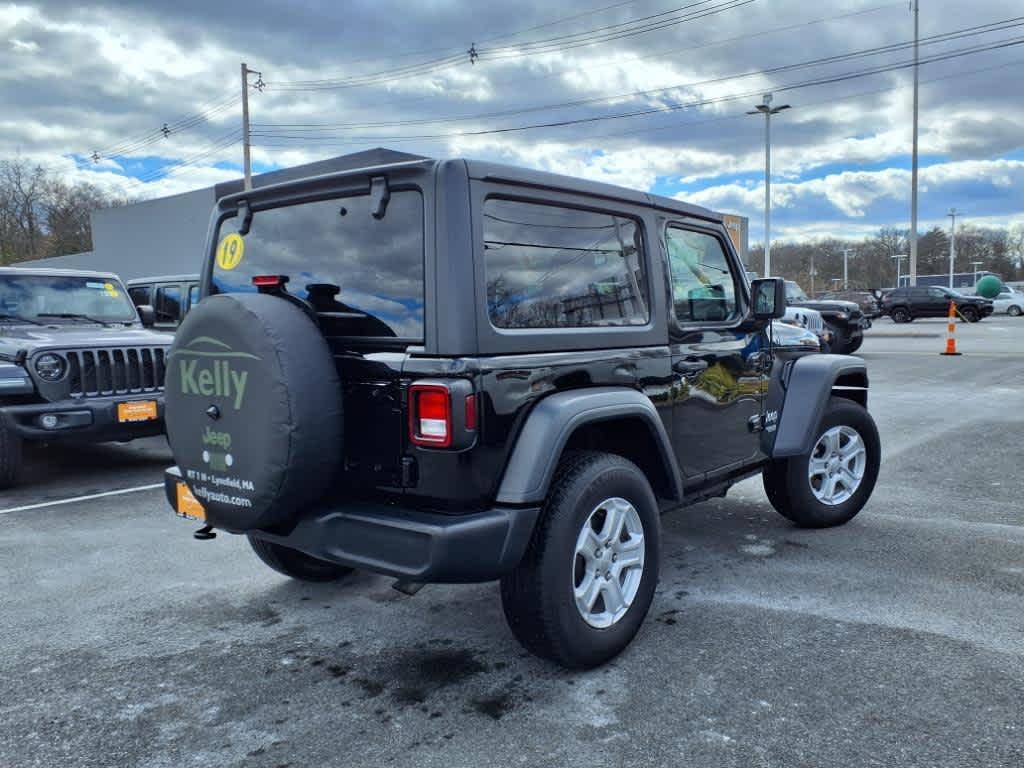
811	382
613	419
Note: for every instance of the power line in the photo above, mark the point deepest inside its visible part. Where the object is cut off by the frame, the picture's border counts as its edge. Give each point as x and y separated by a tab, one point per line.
656	55
825	80
429	67
216	145
268	130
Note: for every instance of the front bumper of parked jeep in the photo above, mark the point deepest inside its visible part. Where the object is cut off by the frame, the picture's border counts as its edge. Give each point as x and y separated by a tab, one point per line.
93	419
404	542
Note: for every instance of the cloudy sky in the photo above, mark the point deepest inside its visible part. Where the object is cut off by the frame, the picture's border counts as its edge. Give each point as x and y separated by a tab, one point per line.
650	94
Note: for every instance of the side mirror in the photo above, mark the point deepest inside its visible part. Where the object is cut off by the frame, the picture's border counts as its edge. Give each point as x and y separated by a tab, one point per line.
769	298
147	315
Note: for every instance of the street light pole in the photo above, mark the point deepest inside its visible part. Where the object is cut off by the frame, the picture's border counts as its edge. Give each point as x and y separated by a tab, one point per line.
898	256
846	268
765	108
953	213
975	264
913	173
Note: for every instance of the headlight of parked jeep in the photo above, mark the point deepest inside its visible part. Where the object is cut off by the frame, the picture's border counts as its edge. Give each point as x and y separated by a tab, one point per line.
842	316
50	367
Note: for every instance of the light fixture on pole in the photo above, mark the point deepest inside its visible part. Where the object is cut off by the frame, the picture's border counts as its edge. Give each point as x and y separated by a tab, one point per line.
974	265
953	213
765	108
898	256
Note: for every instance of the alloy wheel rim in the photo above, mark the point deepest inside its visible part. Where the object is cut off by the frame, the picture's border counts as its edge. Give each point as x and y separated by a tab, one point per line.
837	465
608	562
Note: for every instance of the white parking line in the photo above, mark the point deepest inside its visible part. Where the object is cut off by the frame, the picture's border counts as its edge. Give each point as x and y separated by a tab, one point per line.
76	499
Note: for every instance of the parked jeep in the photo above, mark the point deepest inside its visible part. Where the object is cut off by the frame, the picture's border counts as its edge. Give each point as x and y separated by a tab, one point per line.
845	318
76	362
170	296
457	371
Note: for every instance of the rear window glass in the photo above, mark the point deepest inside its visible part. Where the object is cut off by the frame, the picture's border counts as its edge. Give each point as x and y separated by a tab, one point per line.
551	266
362	275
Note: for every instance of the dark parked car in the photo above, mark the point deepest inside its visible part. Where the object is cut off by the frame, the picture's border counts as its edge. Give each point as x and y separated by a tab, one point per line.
76	362
905	305
457	371
844	318
864	299
170	296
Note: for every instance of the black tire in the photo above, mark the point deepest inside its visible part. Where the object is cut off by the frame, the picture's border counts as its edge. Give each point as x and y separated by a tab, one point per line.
900	315
854	345
1014	311
537	596
839	339
786	480
265	440
970	314
10	455
298	565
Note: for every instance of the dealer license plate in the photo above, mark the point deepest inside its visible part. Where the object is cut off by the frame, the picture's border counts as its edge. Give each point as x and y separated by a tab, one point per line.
137	410
188	505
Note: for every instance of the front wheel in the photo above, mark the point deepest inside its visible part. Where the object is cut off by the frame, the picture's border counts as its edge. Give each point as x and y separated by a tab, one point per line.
970	314
10	455
832	483
298	565
854	345
900	315
588	576
1014	311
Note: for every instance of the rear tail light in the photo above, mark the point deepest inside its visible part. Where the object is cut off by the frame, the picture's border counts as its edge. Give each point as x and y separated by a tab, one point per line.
430	415
269	281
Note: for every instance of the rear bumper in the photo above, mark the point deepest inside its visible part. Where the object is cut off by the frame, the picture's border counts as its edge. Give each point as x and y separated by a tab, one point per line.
92	420
406	543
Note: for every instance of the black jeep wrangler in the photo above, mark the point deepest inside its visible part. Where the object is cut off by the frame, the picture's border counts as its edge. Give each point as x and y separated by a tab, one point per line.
845	319
457	371
76	362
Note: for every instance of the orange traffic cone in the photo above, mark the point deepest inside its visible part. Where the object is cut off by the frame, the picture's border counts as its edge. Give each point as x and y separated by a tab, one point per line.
951	332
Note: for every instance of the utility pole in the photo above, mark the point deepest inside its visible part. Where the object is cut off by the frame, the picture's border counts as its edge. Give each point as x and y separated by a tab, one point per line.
913	172
246	159
846	268
953	213
812	274
766	109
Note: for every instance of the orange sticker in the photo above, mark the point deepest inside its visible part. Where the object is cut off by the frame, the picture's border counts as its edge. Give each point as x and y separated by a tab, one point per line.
188	505
137	410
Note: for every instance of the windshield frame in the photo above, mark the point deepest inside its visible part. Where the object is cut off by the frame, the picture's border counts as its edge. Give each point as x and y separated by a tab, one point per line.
53	317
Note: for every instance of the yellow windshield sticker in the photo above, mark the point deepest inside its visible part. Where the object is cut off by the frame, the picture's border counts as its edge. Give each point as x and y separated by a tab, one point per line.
230	251
111	289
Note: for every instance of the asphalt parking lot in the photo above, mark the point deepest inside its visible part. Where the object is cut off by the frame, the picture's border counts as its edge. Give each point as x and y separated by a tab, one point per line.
897	640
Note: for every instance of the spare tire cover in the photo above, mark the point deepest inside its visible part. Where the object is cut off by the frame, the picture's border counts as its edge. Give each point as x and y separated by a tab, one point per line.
253	410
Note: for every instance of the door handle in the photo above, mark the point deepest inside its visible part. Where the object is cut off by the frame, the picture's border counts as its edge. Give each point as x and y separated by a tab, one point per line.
689	366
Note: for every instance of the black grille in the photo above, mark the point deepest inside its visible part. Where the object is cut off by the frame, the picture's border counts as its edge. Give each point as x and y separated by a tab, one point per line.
115	371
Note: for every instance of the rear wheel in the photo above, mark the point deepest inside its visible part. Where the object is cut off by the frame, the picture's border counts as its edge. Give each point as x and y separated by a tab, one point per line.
296	564
832	483
10	455
588	576
900	315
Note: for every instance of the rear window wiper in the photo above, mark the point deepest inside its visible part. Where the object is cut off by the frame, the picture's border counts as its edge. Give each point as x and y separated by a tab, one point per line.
76	316
18	318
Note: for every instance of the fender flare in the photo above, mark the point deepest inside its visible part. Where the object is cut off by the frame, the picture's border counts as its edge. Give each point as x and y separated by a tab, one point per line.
552	422
810	383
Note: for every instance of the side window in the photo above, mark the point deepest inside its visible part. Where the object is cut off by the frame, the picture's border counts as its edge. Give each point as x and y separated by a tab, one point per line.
703	283
551	266
168	304
936	293
139	295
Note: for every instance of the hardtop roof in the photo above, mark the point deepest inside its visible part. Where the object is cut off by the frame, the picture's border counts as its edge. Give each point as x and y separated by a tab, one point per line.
41	272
